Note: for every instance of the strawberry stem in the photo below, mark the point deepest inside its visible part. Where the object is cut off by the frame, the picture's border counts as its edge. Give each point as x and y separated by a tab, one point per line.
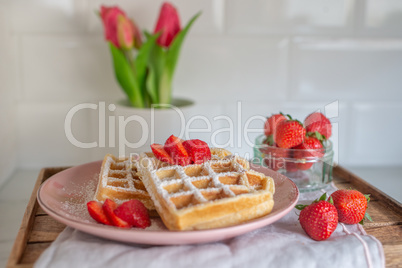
322	198
301	207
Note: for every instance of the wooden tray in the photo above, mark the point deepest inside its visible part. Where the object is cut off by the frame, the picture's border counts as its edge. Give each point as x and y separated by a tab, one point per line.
38	229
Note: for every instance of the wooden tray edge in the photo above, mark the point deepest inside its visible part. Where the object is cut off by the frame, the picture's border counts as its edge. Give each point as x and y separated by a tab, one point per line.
26	225
352	178
28	219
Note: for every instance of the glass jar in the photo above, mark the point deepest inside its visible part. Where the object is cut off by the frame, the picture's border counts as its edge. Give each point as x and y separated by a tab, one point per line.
309	169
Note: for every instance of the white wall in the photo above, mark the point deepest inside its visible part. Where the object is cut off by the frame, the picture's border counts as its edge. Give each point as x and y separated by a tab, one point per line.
8	157
294	56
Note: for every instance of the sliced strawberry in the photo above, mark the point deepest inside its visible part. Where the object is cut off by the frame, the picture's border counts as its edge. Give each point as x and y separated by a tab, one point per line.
197	150
108	207
174	147
161	154
135	213
97	213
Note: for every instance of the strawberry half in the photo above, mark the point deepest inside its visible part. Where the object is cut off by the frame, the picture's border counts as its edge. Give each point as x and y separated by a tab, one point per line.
197	150
351	206
174	147
96	211
135	213
108	207
161	154
320	219
289	133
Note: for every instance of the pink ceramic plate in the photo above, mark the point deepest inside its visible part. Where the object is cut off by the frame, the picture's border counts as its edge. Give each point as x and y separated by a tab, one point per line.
64	197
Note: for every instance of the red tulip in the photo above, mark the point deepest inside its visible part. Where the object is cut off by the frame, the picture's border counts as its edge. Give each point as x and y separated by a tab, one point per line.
119	29
136	33
168	24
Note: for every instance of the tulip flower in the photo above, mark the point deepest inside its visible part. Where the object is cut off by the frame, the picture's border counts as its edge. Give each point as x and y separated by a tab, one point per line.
146	76
119	30
136	33
168	25
124	33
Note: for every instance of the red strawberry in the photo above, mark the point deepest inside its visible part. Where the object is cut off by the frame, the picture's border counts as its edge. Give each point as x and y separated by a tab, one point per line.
272	122
197	150
97	213
161	154
290	166
134	212
108	207
320	123
274	157
174	147
351	206
308	150
289	133
318	220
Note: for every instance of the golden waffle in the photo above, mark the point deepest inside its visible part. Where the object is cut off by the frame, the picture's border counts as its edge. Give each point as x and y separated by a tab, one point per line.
219	153
118	180
214	194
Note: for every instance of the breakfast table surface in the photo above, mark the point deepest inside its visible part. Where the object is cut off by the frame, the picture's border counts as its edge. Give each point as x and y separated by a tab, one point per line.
38	230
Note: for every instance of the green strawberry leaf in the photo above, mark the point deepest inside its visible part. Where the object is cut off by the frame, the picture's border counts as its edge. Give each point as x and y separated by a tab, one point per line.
301	207
298	122
367	196
316	135
366	217
286	115
269	140
322	198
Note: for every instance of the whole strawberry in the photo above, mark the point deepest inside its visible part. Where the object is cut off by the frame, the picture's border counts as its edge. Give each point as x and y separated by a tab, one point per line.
351	206
320	123
310	149
272	122
275	157
320	219
289	133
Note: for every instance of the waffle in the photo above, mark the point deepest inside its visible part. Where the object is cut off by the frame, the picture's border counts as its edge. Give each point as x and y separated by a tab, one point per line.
214	194
219	153
118	180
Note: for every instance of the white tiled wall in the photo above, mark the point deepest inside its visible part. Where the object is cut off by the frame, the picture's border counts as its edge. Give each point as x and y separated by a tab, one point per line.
295	56
7	100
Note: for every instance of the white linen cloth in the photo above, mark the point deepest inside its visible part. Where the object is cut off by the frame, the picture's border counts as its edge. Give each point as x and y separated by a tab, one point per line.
281	244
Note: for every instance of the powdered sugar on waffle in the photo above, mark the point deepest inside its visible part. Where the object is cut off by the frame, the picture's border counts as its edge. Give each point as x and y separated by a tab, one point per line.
179	177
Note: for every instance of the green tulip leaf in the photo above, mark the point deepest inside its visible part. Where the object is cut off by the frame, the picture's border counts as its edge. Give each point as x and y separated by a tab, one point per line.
172	55
125	76
157	64
141	62
174	49
151	85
